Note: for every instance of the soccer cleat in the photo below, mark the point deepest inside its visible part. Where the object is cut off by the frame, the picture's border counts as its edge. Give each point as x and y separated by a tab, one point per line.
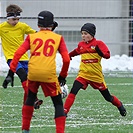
122	110
37	104
25	131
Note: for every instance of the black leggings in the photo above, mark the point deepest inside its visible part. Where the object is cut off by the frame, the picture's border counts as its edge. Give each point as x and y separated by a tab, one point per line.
107	96
105	93
76	87
22	74
57	102
31	98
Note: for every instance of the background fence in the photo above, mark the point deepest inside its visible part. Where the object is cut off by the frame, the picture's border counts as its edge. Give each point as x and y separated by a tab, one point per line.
113	20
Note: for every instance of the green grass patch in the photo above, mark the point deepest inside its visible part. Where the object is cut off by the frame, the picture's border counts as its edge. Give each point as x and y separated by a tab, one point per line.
89	114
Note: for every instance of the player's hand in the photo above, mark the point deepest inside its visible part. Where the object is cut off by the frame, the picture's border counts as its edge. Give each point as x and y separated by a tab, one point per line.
98	51
55	25
9	79
61	80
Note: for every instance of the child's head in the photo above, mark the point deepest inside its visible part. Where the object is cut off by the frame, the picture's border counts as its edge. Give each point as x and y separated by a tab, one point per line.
13	14
88	31
46	20
90	28
13	11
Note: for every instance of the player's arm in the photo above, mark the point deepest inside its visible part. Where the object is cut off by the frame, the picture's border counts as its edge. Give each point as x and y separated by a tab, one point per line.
66	61
102	50
10	76
74	52
19	53
28	29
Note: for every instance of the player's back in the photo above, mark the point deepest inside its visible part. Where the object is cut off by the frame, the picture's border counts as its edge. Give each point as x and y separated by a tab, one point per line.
43	48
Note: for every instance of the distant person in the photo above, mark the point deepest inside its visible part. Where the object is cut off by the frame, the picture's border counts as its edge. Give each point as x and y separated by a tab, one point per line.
43	47
90	71
12	34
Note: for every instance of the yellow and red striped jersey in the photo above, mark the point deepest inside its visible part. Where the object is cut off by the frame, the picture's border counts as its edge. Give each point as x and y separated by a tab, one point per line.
90	65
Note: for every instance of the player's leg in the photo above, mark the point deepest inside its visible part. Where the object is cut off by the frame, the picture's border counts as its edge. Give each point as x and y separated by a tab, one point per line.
108	97
59	117
53	90
38	102
23	77
72	95
28	107
25	131
22	70
114	100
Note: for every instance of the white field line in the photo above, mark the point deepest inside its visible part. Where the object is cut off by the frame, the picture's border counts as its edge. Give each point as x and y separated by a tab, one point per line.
78	124
72	125
120	84
5	105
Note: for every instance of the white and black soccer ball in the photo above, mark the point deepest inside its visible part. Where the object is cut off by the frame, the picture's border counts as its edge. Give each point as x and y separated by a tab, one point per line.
65	91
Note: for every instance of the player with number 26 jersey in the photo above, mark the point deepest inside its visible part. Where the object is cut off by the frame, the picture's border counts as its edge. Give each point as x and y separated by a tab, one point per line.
43	48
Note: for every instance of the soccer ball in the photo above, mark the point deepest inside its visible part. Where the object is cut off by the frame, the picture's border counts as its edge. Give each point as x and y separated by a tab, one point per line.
65	91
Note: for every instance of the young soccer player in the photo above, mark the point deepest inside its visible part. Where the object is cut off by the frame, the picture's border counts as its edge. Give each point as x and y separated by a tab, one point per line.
12	34
90	71
43	47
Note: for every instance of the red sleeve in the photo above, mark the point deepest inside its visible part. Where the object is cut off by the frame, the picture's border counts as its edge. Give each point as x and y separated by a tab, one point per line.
75	52
104	49
18	54
62	46
65	58
65	66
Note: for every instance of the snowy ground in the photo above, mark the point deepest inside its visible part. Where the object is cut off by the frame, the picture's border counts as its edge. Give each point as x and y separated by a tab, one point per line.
115	63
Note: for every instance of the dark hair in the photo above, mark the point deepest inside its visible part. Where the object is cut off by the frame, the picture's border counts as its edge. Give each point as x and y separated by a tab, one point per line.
13	9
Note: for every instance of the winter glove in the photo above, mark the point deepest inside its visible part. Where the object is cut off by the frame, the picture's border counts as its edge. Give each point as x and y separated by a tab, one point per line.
54	26
99	51
8	79
61	80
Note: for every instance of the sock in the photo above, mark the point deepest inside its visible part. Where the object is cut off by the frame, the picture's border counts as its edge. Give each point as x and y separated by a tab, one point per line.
69	102
60	124
25	87
116	102
27	112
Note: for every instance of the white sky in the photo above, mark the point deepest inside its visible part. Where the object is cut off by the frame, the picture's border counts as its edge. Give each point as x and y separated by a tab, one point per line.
120	63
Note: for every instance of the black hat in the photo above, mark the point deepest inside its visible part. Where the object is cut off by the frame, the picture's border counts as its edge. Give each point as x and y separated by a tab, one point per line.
90	28
45	19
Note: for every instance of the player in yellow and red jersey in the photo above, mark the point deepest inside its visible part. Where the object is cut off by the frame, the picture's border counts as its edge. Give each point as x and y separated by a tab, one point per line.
12	34
90	71
43	47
